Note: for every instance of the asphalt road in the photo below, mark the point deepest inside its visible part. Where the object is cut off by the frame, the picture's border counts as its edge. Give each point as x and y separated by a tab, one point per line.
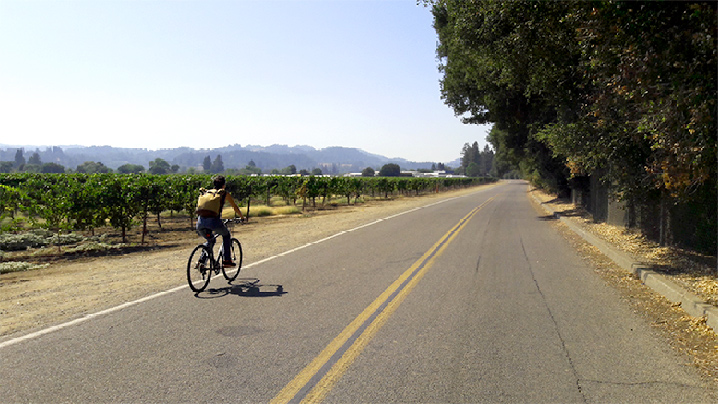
474	299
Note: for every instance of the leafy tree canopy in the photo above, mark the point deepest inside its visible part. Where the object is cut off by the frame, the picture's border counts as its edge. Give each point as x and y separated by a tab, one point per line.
35	159
625	88
159	166
52	168
390	170
91	167
130	169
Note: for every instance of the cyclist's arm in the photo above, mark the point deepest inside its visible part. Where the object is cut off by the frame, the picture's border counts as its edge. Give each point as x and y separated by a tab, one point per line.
234	205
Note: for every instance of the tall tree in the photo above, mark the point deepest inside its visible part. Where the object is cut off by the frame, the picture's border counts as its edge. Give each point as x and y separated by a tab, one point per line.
159	166
625	90
473	170
35	159
217	165
207	164
19	158
487	160
499	66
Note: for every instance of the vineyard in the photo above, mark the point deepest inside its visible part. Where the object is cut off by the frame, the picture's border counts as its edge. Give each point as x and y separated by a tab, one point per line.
67	202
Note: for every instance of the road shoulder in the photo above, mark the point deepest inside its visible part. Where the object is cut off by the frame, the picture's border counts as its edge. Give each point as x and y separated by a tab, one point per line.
678	315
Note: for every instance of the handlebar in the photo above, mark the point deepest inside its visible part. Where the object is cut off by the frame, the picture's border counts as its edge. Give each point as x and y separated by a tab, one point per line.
234	220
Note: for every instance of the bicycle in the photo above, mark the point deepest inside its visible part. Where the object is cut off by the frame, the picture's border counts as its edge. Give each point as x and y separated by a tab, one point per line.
203	262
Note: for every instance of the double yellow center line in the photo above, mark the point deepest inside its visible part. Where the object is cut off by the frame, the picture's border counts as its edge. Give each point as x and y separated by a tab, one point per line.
313	383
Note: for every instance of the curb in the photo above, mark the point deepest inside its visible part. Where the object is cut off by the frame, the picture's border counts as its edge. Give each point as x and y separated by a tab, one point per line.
660	283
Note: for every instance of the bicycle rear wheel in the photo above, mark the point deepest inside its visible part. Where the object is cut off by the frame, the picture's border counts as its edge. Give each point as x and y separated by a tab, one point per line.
231	273
199	268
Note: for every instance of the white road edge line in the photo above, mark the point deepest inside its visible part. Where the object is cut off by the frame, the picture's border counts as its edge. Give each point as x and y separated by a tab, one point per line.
90	316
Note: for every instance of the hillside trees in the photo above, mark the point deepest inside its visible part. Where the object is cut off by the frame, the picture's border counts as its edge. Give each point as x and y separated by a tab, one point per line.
252	169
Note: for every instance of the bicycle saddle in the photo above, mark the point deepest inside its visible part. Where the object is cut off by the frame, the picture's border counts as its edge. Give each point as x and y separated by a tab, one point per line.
206	233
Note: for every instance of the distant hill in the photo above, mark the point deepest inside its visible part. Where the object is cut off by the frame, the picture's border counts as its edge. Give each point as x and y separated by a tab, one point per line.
335	160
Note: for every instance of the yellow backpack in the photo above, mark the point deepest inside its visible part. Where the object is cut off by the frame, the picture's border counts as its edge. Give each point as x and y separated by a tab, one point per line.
209	202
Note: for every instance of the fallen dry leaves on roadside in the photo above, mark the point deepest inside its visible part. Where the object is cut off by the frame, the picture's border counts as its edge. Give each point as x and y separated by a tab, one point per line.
694	271
688	335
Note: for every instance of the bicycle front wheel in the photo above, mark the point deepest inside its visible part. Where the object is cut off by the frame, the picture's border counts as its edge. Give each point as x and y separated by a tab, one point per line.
199	268
231	273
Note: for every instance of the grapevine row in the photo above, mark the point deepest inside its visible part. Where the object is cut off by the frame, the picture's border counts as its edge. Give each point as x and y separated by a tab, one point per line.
89	201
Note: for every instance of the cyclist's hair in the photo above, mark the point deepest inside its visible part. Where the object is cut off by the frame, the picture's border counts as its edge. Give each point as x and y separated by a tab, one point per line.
218	181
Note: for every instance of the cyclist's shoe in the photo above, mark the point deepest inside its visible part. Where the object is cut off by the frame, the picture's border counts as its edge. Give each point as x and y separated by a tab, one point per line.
228	264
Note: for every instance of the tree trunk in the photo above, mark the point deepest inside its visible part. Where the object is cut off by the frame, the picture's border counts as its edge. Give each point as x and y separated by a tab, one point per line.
666	234
249	202
144	228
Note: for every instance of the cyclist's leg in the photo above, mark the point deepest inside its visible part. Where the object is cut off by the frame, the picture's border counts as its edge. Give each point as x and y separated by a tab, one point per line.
226	243
211	223
218	227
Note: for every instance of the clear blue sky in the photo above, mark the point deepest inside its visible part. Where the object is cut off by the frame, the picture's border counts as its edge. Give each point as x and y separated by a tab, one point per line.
162	74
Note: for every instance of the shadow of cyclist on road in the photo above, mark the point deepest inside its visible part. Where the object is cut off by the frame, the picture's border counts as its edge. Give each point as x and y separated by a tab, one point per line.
245	287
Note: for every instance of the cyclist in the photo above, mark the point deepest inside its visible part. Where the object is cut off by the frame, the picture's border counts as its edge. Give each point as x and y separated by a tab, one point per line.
215	222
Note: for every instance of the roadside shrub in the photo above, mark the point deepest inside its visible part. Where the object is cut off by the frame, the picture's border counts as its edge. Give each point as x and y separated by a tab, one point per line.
93	246
36	238
65	239
18	242
17	266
